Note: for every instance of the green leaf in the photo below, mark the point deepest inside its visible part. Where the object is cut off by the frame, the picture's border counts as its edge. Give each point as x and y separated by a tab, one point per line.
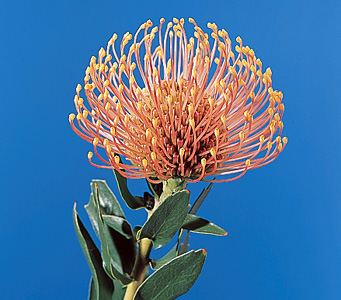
200	225
132	201
184	246
93	295
118	252
106	199
119	292
174	278
156	264
166	219
101	287
120	225
200	199
137	228
156	189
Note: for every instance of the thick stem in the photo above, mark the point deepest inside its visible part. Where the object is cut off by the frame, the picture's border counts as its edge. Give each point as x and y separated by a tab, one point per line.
140	268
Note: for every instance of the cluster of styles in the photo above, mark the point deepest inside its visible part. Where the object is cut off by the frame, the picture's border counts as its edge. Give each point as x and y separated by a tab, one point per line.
174	111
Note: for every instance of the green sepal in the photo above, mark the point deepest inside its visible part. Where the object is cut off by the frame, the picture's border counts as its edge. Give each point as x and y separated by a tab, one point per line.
158	263
118	252
119	224
166	220
132	201
173	279
200	225
101	286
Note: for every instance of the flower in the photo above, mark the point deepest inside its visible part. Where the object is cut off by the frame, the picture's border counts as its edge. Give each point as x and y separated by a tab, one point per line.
187	108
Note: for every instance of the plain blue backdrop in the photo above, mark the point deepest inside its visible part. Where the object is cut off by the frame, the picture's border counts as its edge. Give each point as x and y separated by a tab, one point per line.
283	219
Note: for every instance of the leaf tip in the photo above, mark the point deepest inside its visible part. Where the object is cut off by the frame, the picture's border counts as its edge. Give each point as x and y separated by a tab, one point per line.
226	233
204	251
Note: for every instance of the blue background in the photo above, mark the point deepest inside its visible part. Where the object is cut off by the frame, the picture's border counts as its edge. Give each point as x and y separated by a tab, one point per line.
283	219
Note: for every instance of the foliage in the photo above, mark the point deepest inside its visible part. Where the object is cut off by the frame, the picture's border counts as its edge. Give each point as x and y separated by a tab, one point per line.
120	268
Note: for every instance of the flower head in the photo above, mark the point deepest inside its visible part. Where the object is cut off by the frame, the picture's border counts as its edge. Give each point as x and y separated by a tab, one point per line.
179	107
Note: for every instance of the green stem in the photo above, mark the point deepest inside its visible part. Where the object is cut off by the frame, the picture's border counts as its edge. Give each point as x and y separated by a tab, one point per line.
170	186
140	268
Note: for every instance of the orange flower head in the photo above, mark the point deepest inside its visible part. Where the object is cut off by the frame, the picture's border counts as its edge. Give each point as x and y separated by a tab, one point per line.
179	107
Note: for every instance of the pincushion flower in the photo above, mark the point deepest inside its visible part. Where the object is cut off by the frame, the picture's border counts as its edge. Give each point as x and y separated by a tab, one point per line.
179	107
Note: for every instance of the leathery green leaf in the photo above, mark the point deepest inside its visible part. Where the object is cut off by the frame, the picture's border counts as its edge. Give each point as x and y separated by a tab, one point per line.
166	220
132	201
106	199
200	199
118	252
184	246
174	278
101	287
120	225
156	189
119	291
156	264
93	290
200	225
